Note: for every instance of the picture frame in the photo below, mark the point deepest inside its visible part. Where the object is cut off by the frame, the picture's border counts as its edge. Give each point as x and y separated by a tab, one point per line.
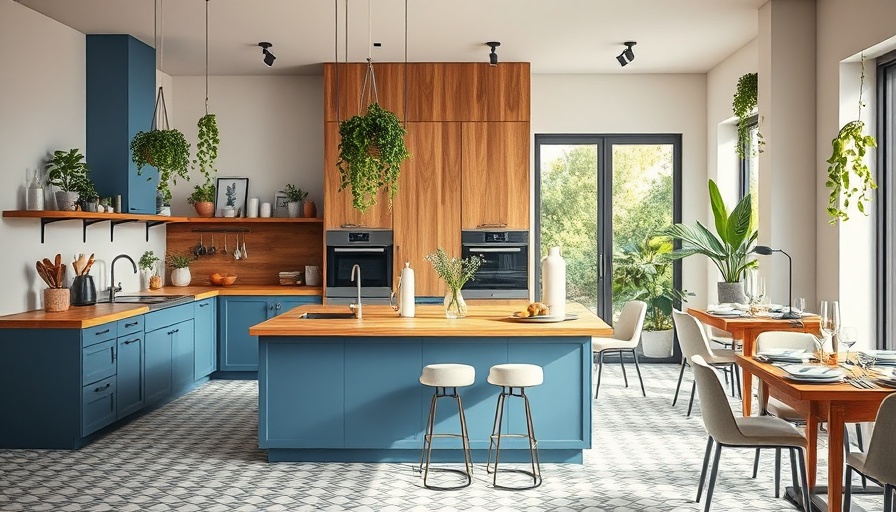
280	202
231	193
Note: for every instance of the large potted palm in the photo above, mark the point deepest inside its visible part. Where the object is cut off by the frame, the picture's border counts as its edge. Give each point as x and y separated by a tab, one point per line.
728	248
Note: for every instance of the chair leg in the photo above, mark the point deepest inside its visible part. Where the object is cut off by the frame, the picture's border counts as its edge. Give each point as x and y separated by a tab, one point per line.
712	477
794	476
737	378
600	367
680	377
638	369
777	472
889	490
804	481
756	462
693	392
622	364
861	449
703	470
847	488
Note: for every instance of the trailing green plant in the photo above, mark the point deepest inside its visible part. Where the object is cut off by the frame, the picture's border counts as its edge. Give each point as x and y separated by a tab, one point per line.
167	151
643	271
294	195
746	97
371	151
148	261
206	154
67	170
729	247
848	158
175	260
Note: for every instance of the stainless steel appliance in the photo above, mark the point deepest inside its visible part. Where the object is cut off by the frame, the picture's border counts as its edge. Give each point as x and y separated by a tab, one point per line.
504	273
370	249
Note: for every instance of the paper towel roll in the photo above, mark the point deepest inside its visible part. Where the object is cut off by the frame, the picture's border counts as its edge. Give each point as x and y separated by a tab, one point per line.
553	282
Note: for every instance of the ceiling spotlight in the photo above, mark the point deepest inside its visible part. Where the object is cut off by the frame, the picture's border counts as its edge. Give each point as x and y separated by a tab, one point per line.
268	56
493	57
627	55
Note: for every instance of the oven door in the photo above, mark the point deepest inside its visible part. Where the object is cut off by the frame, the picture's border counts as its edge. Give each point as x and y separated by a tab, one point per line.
376	271
504	272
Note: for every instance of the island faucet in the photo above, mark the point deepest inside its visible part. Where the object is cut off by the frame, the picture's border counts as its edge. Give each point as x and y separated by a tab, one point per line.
356	308
112	287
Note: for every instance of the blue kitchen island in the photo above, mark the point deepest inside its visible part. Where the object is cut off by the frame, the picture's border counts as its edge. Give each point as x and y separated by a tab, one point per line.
347	390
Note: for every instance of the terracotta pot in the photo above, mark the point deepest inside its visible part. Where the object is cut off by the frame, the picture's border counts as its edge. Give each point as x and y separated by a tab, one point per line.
57	299
310	210
204	208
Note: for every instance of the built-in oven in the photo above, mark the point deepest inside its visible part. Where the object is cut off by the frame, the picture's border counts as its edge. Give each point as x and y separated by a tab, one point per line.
371	250
504	273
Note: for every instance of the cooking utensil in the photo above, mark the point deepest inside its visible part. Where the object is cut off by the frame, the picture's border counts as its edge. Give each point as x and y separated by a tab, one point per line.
236	252
45	274
245	254
225	242
60	270
88	265
200	249
212	249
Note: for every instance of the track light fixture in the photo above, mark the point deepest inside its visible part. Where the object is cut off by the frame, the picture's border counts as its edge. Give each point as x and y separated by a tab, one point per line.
627	55
268	56
493	57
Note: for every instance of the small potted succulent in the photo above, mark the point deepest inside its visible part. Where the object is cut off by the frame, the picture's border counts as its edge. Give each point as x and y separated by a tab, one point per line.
180	264
294	196
67	170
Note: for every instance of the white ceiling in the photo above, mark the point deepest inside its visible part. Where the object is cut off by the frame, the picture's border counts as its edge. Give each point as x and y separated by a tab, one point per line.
556	36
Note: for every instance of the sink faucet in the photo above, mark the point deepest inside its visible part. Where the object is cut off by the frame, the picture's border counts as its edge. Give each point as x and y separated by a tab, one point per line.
356	308
112	287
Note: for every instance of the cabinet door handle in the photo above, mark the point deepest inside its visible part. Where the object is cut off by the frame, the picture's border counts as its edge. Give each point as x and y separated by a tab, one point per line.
131	324
279	306
101	332
128	342
177	330
113	353
204	304
97	390
169	333
271	307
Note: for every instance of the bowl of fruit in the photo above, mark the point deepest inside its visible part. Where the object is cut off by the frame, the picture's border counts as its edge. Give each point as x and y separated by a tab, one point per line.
221	279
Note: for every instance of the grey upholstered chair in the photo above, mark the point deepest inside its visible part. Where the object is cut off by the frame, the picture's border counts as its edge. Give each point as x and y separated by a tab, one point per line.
877	462
692	339
750	432
626	336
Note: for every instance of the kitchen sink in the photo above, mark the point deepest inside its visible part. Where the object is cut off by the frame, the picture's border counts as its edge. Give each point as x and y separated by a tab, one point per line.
154	301
326	316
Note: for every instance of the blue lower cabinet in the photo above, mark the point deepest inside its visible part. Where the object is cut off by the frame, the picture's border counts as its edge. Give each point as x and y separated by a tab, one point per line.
157	364
130	374
182	356
98	405
205	338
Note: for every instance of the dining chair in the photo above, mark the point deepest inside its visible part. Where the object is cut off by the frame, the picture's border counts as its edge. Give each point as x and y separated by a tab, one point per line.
750	432
876	462
626	336
692	339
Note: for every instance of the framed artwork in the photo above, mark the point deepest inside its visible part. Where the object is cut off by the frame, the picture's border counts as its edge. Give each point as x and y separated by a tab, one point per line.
230	199
280	202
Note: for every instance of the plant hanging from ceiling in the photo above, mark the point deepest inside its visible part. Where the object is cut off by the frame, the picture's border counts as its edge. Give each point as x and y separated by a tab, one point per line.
848	158
207	145
744	104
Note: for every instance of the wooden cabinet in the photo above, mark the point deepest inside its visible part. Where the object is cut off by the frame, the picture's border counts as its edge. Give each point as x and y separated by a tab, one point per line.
495	175
447	91
343	83
427	207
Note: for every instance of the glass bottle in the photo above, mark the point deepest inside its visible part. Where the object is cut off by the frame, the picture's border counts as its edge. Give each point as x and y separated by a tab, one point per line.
35	199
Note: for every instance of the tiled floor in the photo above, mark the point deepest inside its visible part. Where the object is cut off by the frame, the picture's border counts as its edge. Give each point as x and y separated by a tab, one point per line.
200	453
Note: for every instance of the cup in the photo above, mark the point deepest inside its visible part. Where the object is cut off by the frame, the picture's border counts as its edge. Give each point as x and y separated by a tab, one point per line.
312	275
799	305
265	209
252	207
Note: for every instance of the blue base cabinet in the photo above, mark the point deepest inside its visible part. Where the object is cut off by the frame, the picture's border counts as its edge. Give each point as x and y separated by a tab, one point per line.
205	337
238	351
130	366
358	399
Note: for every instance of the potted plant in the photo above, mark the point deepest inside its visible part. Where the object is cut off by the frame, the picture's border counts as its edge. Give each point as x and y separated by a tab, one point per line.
728	248
371	151
167	151
148	269
66	170
456	272
643	271
294	198
746	97
180	264
203	196
87	195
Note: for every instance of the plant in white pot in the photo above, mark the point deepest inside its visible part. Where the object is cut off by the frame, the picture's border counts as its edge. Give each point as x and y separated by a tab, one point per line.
180	268
728	248
294	196
68	171
643	271
148	269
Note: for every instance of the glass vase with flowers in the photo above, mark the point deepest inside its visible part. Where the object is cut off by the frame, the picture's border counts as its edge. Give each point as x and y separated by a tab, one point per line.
456	272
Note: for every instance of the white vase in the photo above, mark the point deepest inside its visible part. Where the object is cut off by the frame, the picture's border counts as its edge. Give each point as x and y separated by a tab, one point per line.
553	281
181	277
145	274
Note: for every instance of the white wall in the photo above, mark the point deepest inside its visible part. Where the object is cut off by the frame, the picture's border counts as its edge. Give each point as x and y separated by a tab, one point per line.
636	104
271	131
42	105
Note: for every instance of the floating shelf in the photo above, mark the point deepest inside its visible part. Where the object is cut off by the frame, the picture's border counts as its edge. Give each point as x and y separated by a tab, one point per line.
89	218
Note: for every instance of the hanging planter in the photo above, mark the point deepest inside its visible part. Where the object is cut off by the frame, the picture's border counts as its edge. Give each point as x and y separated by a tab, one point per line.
165	149
746	98
203	196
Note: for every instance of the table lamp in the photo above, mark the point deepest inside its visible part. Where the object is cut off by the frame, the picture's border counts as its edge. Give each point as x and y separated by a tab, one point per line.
765	251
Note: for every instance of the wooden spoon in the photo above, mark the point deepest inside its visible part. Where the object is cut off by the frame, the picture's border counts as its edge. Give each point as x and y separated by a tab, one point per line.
42	272
88	265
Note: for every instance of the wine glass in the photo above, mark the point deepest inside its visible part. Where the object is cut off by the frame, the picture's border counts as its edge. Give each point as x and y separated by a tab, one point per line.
799	305
829	311
847	335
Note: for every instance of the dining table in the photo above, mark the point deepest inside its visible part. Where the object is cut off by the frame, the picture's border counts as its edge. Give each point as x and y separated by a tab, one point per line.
835	403
746	329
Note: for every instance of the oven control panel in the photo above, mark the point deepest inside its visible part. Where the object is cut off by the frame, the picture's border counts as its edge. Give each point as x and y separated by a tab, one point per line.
359	237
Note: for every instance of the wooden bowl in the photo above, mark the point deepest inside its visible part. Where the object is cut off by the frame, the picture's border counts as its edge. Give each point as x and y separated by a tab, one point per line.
221	279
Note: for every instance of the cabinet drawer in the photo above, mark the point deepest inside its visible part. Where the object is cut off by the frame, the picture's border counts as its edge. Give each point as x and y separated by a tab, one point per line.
130	325
99	333
98	362
98	405
169	316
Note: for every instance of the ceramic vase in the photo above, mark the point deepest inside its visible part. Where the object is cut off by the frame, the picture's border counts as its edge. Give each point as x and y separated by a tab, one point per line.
181	277
293	209
310	210
455	306
66	201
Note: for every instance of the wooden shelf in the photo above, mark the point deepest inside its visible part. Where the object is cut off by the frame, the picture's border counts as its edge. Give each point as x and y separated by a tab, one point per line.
88	218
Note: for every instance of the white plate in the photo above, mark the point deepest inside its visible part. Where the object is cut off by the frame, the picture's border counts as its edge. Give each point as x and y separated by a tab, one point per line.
881	355
543	319
835	378
806	371
791	353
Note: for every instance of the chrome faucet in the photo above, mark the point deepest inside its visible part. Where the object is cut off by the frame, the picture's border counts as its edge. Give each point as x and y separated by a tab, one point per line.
112	288
356	308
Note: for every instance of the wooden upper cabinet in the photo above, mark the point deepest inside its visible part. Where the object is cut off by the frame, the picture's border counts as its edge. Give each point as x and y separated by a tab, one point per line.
495	175
390	86
338	211
508	91
426	212
468	91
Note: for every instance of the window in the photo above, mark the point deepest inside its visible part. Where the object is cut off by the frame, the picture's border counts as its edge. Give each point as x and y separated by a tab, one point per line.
749	167
886	201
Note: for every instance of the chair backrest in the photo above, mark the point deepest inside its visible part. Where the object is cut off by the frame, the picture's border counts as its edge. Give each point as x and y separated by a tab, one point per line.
717	416
691	336
631	321
881	450
785	339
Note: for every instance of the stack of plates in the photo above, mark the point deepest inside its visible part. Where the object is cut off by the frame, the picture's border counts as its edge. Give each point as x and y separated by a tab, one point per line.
724	310
786	355
813	373
882	357
885	377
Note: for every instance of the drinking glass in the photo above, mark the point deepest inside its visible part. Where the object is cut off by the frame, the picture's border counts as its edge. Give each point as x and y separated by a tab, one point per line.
829	311
847	335
799	305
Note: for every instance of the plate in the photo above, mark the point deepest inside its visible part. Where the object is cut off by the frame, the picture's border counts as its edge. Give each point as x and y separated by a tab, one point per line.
543	319
881	355
810	380
812	372
787	355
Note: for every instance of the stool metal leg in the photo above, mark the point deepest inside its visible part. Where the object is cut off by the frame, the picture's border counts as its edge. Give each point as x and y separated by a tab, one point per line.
600	367
426	458
495	441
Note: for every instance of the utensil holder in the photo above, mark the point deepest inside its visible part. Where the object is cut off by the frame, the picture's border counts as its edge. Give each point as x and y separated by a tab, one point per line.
56	299
83	291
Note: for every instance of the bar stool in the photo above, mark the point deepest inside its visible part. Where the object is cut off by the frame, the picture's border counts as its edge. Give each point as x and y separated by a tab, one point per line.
442	377
510	376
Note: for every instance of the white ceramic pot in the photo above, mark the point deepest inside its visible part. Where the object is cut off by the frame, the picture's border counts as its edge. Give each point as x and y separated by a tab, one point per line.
657	343
181	277
66	201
